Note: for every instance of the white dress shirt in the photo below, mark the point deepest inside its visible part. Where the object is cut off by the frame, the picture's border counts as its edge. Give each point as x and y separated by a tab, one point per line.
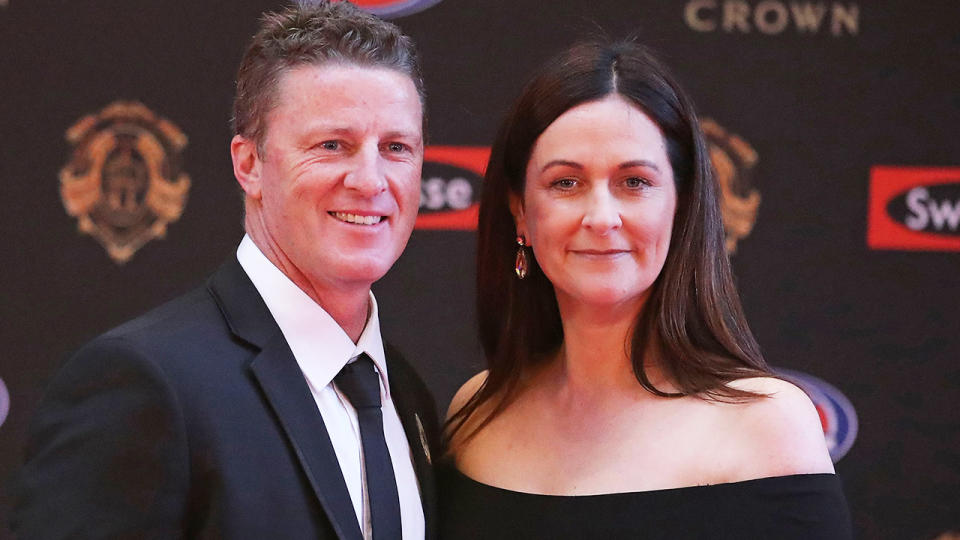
322	348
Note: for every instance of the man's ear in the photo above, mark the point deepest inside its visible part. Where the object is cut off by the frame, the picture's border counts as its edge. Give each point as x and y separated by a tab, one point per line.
246	165
516	208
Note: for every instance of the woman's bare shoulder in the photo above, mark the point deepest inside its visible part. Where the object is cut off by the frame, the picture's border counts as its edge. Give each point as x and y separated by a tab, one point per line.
779	434
467	391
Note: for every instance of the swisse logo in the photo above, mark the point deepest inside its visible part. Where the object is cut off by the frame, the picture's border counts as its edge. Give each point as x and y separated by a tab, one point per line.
389	9
837	415
935	209
449	192
914	208
772	17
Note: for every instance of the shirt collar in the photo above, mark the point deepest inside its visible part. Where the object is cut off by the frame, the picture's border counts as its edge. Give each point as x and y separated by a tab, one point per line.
318	343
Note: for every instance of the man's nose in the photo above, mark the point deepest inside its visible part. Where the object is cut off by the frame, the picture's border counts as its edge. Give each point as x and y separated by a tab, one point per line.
366	175
602	212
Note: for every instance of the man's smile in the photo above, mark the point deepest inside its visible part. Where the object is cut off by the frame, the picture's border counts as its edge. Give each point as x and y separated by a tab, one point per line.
357	219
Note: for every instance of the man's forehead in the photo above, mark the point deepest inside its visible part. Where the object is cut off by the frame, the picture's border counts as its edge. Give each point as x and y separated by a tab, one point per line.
334	84
343	72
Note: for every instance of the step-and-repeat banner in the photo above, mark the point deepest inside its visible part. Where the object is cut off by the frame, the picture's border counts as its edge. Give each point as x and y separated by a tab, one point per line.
833	130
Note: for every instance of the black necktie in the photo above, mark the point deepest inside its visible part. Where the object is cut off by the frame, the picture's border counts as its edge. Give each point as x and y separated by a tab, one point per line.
361	384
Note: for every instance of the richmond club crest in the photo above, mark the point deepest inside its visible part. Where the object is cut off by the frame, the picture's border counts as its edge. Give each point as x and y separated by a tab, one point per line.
123	182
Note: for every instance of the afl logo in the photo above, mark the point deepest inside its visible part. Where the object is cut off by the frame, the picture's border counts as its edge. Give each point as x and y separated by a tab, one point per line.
914	208
389	9
4	402
837	415
451	184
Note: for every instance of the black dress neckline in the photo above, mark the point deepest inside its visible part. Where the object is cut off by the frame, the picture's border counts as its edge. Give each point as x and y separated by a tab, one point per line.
766	480
792	507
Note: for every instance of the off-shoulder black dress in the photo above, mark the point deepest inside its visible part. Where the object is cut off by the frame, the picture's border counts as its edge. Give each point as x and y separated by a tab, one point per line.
801	507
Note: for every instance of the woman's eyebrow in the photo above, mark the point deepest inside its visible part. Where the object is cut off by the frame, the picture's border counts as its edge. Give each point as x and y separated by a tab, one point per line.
561	163
639	163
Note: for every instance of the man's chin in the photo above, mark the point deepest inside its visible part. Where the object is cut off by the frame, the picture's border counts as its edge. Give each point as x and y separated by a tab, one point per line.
358	270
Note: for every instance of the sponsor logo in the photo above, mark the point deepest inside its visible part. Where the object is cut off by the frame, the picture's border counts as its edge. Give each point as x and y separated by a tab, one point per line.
772	17
123	182
914	208
4	402
837	415
390	9
451	186
733	160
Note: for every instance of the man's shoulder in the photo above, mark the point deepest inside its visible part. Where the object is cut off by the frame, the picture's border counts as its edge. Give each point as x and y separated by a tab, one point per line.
179	346
187	333
203	311
182	318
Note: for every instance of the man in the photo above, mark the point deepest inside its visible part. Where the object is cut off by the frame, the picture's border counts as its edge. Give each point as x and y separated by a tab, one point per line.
264	405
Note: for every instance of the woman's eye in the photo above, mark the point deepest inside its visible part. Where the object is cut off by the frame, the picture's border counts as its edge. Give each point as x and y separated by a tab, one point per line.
565	183
635	182
330	145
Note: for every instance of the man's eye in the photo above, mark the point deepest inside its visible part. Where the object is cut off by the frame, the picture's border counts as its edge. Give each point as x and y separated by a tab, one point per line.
330	145
397	147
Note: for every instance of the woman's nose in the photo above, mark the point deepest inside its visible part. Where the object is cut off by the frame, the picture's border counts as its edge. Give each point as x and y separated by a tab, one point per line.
602	213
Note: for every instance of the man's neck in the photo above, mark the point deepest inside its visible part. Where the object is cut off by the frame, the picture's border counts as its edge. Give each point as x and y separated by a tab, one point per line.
349	311
348	304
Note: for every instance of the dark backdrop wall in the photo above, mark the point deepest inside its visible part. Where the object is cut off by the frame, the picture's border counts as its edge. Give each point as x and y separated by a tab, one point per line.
834	127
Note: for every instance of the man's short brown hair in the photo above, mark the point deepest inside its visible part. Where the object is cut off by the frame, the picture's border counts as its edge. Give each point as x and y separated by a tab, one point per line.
313	33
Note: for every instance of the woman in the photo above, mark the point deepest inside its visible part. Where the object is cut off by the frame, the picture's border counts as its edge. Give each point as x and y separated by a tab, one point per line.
625	395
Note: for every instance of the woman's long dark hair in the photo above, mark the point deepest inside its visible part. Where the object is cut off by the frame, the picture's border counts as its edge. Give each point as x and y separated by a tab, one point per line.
692	320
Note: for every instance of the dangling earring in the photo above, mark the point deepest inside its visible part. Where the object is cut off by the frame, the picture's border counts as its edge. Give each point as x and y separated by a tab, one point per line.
521	265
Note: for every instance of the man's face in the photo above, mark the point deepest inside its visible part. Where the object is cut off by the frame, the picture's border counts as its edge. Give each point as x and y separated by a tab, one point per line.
338	184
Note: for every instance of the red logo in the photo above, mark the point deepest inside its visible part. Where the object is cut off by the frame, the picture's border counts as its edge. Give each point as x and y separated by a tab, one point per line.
389	9
914	208
449	193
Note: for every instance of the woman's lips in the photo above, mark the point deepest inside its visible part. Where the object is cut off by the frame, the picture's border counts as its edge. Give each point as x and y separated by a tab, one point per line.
600	253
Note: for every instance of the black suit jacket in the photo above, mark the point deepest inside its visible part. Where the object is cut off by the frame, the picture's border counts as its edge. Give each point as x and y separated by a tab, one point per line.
195	421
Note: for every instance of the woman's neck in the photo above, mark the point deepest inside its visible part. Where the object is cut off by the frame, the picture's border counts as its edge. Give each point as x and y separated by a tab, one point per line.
595	357
595	361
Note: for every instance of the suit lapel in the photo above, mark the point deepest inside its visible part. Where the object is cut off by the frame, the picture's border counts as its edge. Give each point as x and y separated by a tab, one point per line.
419	447
287	393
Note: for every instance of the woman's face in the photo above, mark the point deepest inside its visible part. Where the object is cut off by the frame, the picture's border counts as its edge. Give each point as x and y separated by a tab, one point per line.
598	204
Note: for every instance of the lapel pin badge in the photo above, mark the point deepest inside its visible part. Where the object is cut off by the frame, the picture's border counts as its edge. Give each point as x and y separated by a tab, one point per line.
423	438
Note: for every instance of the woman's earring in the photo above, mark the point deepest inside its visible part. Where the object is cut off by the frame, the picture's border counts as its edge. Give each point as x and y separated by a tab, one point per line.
521	265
